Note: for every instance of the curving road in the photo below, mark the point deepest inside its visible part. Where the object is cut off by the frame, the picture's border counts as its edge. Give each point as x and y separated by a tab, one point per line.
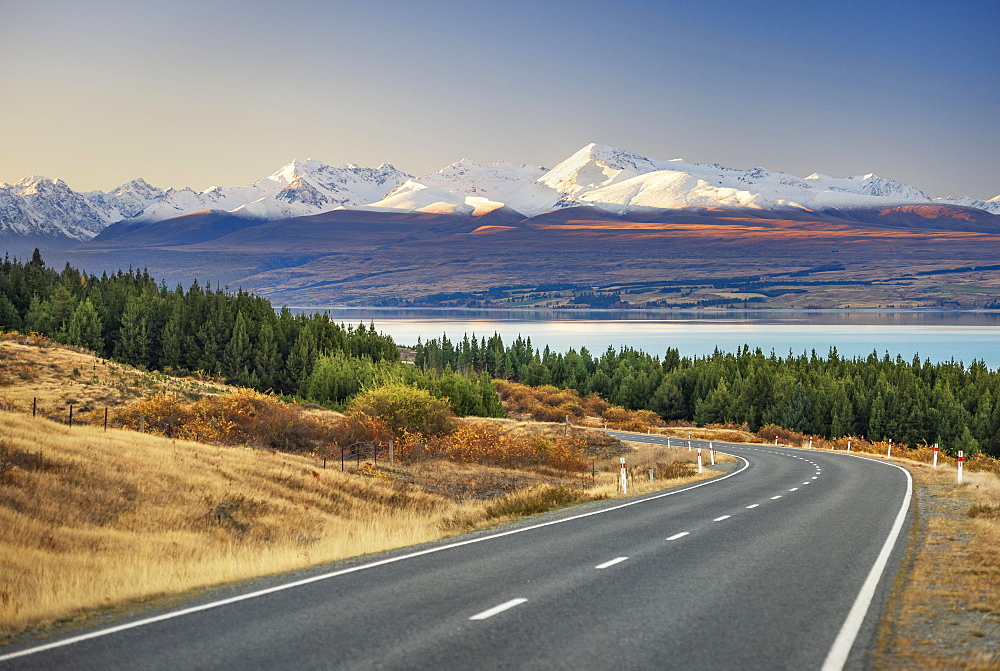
778	564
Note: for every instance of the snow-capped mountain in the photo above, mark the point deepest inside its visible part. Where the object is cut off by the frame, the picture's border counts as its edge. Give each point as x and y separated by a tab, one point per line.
615	180
992	205
48	211
297	189
465	187
620	181
38	206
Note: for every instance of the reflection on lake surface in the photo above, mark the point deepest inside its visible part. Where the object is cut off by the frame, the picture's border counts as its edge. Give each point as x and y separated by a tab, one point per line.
938	336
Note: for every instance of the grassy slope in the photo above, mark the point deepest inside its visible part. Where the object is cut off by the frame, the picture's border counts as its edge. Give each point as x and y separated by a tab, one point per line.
91	520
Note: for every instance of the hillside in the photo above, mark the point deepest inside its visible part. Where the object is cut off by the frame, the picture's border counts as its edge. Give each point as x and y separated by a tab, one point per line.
926	256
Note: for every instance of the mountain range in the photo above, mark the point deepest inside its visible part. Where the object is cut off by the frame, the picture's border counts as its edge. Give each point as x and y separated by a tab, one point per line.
47	213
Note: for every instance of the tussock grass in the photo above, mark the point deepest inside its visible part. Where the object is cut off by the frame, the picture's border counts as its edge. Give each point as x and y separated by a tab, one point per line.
92	520
32	367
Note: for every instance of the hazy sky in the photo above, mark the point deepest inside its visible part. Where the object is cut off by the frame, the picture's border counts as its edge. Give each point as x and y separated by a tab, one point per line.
214	92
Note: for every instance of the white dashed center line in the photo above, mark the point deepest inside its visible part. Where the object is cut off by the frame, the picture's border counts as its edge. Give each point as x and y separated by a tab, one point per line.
814	477
498	609
680	535
794	489
611	562
724	517
752	505
776	497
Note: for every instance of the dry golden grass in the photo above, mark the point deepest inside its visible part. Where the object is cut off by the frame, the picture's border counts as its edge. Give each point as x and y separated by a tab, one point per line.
57	375
945	613
91	520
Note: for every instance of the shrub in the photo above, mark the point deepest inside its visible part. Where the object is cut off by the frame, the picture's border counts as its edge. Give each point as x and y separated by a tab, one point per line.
405	409
244	417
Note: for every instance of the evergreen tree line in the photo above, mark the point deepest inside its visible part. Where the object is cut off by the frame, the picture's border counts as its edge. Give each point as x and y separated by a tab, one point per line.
129	317
879	398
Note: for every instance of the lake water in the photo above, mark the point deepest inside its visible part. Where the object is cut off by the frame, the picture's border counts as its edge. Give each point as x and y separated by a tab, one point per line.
938	336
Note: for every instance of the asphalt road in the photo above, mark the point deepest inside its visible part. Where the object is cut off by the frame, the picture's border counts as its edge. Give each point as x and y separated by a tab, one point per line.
761	569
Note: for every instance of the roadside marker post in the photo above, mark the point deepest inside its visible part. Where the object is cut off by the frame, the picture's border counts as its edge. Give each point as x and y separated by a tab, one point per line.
624	479
711	452
668	441
961	458
848	444
935	455
888	454
699	460
651	475
810	443
775	441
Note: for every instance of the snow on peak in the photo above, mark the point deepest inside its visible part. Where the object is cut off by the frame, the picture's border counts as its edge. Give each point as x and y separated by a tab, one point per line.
992	205
597	175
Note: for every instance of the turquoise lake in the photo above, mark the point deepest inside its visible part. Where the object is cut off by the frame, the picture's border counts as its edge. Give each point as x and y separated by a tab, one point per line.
938	336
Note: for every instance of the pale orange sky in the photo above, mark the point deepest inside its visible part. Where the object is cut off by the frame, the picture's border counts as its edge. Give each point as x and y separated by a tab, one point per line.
224	92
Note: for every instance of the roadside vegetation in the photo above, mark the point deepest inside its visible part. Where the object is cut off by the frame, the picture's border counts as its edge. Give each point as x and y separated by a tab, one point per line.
878	398
230	337
196	484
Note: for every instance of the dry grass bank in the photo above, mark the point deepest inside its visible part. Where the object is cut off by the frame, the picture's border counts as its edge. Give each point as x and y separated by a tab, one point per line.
945	610
32	367
92	520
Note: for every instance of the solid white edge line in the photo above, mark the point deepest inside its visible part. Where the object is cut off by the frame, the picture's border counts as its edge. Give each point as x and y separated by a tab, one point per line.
680	535
490	612
354	569
842	645
611	562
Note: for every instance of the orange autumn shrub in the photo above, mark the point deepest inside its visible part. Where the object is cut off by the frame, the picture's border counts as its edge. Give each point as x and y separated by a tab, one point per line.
492	445
244	417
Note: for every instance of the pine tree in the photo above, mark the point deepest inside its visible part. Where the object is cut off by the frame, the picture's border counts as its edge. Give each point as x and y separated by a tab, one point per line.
85	327
266	359
133	339
10	320
237	356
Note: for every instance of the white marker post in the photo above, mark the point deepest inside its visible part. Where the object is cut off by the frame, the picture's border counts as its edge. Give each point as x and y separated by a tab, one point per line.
711	452
668	441
848	444
961	458
624	478
775	441
810	443
699	460
648	431
888	454
689	444
935	454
